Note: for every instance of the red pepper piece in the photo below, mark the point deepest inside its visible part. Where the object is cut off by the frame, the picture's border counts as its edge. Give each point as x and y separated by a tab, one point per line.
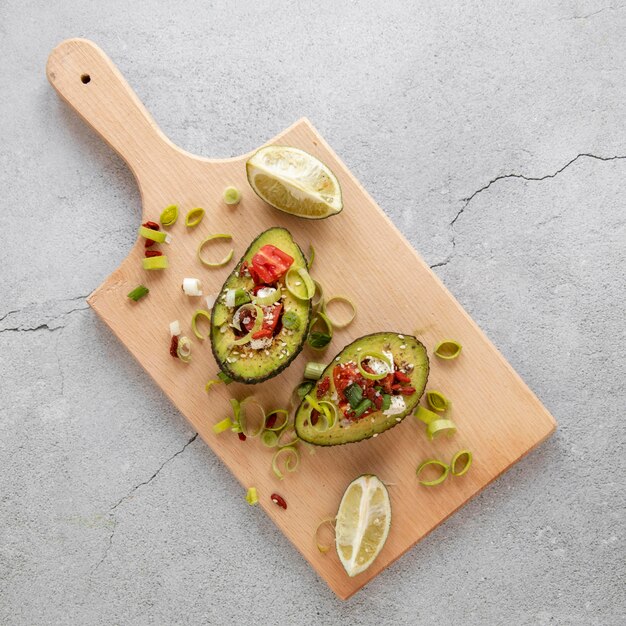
395	387
279	500
152	225
241	436
407	391
174	346
323	387
149	243
151	253
401	377
260	334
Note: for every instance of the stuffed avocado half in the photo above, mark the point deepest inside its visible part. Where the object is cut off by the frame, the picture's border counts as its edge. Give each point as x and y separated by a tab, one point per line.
369	387
258	326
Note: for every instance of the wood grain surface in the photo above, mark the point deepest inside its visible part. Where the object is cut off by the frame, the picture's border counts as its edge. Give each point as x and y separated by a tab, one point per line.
497	415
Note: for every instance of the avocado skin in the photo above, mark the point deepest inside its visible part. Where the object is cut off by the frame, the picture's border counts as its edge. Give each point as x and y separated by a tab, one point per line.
328	372
282	364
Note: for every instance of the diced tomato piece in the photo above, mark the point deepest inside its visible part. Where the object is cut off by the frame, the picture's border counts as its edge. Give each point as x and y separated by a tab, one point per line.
407	391
323	387
260	334
271	263
401	377
270	320
344	375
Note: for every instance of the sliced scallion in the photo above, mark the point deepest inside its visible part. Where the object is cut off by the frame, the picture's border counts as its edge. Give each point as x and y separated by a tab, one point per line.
386	402
374	355
328	417
425	416
440	427
206	240
448	349
213	381
318	340
183	349
194	322
251	496
354	395
155	262
363	406
232	195
322	547
317	301
194	217
309	264
269	438
313	371
220	427
444	467
153	235
138	293
461	454
291	320
291	460
270	298
192	287
169	215
225	378
345	300
437	401
299	284
258	322
297	395
278	426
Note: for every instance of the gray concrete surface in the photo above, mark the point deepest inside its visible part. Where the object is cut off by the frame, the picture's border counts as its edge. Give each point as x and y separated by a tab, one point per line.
493	134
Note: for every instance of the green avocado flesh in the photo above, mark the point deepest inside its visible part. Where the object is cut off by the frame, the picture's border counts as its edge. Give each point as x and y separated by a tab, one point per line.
409	356
247	364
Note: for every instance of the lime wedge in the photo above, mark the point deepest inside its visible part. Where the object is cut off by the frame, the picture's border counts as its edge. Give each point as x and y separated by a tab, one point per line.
295	182
363	522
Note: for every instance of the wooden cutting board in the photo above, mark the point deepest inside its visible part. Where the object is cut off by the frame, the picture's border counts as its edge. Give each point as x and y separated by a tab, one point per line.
497	415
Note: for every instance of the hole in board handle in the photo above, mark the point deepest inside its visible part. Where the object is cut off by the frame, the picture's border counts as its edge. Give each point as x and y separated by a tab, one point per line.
85	78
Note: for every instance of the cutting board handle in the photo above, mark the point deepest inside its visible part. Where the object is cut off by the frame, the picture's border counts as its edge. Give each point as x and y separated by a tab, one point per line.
89	82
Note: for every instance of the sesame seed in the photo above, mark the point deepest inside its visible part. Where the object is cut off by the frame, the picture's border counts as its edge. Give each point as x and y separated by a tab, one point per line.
403	346
400	336
359	349
375	434
336	358
398	419
267	352
280	356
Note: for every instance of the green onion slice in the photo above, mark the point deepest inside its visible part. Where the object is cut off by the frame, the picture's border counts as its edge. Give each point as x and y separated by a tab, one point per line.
225	378
138	293
297	395
155	262
194	217
244	412
251	496
323	548
440	427
220	427
258	322
317	301
194	322
313	371
445	469
232	195
299	283
236	406
374	355
437	401
169	215
247	307
291	321
448	349
466	455
279	425
327	418
309	264
206	240
210	383
318	340
425	416
291	461
154	235
345	300
184	349
269	299
269	438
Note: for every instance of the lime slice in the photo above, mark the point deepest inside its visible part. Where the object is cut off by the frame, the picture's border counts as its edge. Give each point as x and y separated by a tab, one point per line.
363	522
295	182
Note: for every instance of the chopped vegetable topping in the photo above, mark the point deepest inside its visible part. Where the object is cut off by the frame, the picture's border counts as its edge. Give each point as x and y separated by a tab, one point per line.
291	321
313	371
194	322
153	234
194	217
169	215
192	286
466	455
448	349
345	300
232	195
279	500
291	462
174	328
300	284
138	293
444	467
225	378
210	383
437	401
440	427
251	496
270	263
220	427
309	264
319	339
155	263
174	346
206	240
183	350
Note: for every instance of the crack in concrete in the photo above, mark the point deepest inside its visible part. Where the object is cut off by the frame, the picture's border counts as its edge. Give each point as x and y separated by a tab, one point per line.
130	493
497	179
588	15
50	326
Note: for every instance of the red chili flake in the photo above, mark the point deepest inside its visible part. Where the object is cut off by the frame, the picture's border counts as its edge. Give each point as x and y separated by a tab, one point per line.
323	387
401	377
149	243
241	436
152	226
407	391
243	268
174	346
151	253
279	500
270	422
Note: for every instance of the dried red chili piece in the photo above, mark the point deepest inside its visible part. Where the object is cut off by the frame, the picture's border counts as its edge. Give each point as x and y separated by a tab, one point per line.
407	391
151	253
279	500
401	377
241	436
149	243
270	422
152	225
174	346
